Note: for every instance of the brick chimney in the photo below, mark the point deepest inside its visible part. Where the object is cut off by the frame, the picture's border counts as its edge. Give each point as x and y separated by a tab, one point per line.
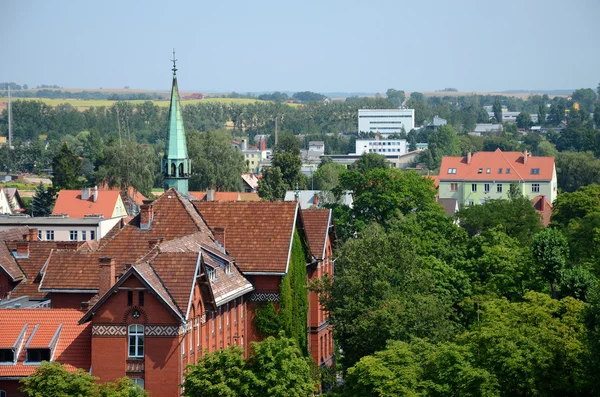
106	275
219	234
543	204
33	235
146	214
525	155
316	199
22	249
469	158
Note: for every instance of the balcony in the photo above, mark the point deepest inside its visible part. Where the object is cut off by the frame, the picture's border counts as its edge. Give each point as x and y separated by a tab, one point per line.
135	365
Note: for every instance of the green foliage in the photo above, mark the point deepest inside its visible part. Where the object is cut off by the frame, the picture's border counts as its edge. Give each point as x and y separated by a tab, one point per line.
370	161
550	252
266	319
271	186
516	217
497	109
576	169
586	97
396	97
223	373
43	201
280	369
327	176
216	164
524	120
67	170
287	159
52	379
441	142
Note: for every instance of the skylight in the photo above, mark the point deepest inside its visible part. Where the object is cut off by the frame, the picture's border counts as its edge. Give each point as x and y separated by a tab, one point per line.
535	171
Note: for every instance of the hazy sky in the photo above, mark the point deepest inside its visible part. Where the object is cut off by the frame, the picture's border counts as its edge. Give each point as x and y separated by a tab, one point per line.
320	45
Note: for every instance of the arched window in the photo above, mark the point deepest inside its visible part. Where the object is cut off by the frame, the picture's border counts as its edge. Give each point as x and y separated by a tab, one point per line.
173	169
181	169
136	340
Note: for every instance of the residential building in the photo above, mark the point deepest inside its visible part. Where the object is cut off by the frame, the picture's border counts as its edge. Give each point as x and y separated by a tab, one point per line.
90	202
14	199
386	121
488	175
63	228
250	182
511	117
381	146
317	147
482	128
5	206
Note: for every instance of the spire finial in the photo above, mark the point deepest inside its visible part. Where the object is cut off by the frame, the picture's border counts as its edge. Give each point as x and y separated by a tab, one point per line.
174	60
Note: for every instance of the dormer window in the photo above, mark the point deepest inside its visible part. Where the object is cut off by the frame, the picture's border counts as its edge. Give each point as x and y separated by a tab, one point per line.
37	355
480	171
535	171
212	274
228	269
452	170
7	356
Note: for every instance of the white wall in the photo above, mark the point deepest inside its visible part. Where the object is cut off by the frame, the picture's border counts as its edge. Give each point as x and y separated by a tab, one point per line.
381	146
386	121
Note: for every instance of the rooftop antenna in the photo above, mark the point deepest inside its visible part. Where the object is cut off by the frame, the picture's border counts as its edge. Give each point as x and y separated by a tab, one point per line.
174	60
10	131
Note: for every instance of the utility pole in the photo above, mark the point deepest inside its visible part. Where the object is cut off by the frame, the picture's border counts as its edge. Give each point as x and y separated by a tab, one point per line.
10	131
276	117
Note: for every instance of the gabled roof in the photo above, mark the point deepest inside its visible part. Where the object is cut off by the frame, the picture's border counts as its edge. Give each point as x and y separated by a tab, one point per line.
69	202
39	253
316	227
543	207
7	261
56	329
497	162
258	234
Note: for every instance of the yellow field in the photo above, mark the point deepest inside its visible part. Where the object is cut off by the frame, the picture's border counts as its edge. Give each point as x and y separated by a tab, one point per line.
81	103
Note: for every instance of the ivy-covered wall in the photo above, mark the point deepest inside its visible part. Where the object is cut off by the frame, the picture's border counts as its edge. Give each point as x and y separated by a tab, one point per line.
293	301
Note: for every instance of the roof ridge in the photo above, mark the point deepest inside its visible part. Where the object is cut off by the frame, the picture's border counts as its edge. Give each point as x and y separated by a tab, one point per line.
510	163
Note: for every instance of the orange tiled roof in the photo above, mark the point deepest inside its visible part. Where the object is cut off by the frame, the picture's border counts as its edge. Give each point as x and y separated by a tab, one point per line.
544	208
258	234
39	252
225	196
316	226
496	161
435	179
69	202
136	196
249	197
73	347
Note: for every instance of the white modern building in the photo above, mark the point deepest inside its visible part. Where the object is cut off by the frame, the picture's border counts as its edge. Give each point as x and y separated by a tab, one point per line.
61	228
386	121
381	146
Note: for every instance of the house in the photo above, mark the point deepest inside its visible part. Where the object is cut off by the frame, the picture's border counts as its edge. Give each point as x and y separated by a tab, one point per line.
381	146
386	121
488	175
90	201
63	228
30	336
130	197
250	182
5	203
14	198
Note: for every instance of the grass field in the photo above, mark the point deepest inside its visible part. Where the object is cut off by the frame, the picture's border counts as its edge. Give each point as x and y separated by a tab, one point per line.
81	103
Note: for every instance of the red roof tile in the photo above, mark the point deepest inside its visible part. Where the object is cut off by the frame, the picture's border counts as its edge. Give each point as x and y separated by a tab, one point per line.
316	226
73	348
544	208
495	161
8	263
39	252
258	234
69	202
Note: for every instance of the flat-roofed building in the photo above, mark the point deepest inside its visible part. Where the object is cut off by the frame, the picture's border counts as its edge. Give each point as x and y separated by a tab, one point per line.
386	121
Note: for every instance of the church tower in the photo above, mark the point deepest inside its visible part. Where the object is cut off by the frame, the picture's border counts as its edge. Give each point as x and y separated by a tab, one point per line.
176	164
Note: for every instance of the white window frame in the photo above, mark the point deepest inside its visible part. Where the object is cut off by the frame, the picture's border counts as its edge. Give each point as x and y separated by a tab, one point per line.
228	269
50	235
73	233
499	188
92	234
473	188
40	234
211	273
84	235
535	188
137	332
486	187
471	202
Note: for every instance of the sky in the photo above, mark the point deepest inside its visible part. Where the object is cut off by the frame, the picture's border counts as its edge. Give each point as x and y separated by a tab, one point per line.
321	45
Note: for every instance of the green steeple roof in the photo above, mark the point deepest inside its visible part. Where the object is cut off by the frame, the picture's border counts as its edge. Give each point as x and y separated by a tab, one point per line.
176	165
176	145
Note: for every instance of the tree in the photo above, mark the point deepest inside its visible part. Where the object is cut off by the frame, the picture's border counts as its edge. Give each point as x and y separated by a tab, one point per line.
43	201
308	96
271	186
542	112
576	169
524	120
216	164
497	109
52	379
396	97
131	164
585	97
222	373
327	176
280	369
287	159
370	161
550	252
441	142
67	170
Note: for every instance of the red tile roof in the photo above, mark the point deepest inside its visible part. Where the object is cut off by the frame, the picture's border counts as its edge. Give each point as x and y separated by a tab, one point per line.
73	348
316	226
69	202
481	162
544	208
258	234
39	252
8	264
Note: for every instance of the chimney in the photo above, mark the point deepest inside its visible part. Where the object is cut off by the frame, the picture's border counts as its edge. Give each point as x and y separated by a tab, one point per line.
210	195
263	145
106	275
316	199
244	145
33	235
525	155
22	249
219	234
95	196
543	204
85	193
146	214
469	158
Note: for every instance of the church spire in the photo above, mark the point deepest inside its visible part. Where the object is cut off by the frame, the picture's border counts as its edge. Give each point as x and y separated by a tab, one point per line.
176	163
